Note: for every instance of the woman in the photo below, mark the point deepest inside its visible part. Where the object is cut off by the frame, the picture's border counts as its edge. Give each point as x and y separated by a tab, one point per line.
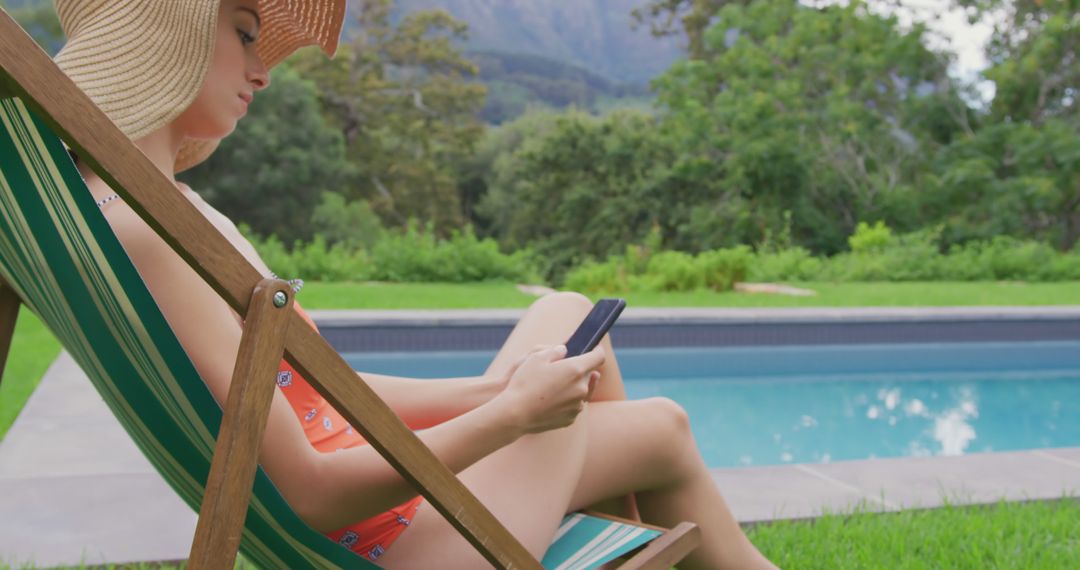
177	80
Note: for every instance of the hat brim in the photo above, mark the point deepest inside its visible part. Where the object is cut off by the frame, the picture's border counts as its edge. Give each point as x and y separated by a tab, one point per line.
286	25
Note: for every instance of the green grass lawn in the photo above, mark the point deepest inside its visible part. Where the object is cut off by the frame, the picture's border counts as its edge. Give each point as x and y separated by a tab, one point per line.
316	295
1043	535
33	348
505	295
1020	536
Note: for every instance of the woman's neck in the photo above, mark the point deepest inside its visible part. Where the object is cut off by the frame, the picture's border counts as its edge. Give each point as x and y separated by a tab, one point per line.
160	146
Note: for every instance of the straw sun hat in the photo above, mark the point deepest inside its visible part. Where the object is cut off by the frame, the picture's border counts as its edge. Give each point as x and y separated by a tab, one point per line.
143	61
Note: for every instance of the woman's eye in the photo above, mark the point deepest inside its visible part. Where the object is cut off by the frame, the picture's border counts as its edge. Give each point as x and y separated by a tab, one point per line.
245	38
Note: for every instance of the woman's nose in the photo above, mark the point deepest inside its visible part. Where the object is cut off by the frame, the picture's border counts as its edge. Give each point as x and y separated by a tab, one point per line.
257	74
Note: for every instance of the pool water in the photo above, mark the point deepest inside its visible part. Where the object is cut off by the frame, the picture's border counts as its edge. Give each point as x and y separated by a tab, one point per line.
817	404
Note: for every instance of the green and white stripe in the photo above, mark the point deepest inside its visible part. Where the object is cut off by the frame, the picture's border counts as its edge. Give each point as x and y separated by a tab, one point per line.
62	258
60	255
588	542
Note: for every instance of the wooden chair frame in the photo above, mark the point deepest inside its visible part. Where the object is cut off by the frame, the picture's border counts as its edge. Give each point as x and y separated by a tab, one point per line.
271	331
9	312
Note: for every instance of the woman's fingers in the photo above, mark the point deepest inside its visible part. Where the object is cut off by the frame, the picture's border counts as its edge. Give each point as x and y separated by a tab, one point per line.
594	379
557	352
587	362
536	349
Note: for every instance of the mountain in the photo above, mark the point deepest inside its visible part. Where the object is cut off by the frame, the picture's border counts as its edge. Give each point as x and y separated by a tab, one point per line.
517	81
594	34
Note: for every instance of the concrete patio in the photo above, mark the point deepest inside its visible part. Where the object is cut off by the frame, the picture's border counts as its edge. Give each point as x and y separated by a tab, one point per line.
76	489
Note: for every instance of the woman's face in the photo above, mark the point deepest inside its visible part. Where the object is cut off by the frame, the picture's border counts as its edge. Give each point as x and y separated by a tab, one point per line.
235	74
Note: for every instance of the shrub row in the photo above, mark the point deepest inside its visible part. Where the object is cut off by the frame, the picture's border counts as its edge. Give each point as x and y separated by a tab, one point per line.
411	255
416	255
638	270
876	255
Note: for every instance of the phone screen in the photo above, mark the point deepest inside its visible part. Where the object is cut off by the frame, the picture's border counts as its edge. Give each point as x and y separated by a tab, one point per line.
595	326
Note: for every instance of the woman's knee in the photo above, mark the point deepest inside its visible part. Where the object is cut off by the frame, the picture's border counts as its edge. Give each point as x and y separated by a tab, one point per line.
672	416
673	426
564	300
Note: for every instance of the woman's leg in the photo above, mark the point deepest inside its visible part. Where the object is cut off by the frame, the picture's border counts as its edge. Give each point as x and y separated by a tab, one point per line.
526	485
614	448
551	319
647	448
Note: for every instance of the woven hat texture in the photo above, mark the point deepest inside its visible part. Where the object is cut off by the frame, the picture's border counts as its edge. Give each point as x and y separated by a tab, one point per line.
143	61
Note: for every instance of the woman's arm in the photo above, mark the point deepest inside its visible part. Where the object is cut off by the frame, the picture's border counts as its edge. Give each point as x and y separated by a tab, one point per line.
545	391
335	489
425	403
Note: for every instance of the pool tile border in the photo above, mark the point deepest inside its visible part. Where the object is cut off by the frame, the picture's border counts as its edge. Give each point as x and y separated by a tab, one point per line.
763	494
383	331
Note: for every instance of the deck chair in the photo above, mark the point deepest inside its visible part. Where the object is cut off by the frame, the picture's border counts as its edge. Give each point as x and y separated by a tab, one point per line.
59	257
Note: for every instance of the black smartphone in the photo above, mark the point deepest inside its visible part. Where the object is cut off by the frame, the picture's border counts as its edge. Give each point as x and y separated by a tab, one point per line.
595	326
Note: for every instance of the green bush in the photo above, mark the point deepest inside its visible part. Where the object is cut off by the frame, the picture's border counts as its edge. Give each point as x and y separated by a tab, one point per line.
412	255
642	270
1065	267
313	261
869	238
1006	258
316	261
353	223
722	268
793	264
610	276
416	255
909	257
672	271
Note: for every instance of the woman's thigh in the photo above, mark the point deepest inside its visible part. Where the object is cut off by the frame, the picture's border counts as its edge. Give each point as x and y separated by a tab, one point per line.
526	485
551	319
614	448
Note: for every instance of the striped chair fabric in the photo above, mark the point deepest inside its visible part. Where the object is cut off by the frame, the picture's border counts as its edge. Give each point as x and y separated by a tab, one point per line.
59	254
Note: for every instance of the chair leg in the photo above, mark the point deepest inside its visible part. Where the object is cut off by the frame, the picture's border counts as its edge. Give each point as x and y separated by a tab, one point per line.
9	312
232	472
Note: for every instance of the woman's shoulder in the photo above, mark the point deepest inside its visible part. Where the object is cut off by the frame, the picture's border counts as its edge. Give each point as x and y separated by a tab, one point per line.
221	221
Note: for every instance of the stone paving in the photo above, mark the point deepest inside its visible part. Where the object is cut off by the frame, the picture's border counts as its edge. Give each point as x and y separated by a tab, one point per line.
76	490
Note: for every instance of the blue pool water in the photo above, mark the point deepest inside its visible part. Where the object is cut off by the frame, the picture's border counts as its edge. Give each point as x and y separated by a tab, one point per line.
814	404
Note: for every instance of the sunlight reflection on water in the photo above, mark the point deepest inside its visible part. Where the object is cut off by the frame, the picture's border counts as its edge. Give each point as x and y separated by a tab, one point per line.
756	422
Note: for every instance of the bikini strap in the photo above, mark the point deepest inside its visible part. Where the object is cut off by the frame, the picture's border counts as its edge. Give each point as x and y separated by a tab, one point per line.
106	200
296	284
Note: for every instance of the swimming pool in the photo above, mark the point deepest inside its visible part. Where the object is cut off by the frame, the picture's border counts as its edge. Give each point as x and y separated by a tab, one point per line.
773	405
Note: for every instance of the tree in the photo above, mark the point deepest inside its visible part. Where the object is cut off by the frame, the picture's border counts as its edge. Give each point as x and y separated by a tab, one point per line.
572	186
40	21
1018	179
272	171
829	114
401	98
1020	173
666	17
1033	57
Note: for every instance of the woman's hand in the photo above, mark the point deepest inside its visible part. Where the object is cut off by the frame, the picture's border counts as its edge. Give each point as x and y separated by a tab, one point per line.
545	390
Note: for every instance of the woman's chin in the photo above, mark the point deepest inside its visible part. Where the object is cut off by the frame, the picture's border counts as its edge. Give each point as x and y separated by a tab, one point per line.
214	132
